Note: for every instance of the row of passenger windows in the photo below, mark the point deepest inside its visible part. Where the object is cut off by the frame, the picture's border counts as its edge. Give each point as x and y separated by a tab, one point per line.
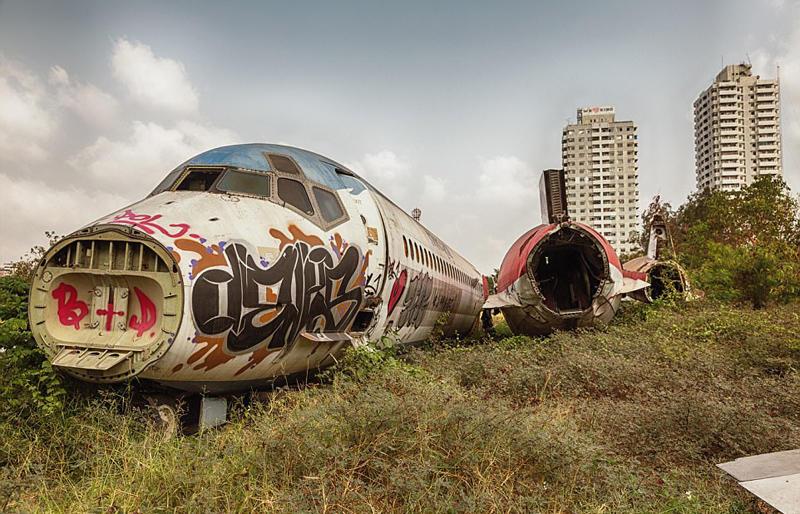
422	255
290	191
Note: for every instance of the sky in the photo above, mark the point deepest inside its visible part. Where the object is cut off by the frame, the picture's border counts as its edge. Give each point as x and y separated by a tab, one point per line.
454	107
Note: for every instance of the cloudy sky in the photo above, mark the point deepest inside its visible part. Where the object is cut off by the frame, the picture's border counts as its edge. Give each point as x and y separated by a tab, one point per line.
446	106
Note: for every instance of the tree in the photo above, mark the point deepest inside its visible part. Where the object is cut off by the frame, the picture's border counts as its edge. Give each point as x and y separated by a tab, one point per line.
25	266
742	245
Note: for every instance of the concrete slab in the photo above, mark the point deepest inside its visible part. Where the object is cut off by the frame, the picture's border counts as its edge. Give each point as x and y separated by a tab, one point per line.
773	477
783	493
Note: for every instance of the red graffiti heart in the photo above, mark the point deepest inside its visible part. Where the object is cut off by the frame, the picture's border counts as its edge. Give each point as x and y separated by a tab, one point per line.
397	290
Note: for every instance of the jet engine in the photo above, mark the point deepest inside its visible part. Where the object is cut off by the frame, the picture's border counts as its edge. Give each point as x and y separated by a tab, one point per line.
560	275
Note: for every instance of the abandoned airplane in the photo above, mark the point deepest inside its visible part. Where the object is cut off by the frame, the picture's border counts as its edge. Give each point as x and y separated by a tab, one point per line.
246	264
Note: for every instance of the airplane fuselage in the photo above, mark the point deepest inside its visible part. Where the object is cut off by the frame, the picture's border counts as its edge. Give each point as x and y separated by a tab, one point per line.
248	263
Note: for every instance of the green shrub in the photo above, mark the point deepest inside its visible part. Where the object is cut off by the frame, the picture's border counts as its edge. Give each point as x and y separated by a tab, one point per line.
28	384
742	246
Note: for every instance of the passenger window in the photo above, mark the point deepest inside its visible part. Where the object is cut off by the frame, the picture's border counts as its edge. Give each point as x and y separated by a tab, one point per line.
328	204
243	182
405	245
294	193
198	180
283	164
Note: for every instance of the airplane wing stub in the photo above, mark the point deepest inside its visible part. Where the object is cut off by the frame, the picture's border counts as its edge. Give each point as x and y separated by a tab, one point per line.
502	299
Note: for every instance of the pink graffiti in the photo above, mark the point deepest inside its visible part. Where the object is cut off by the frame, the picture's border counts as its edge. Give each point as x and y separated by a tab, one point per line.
148	310
109	313
147	223
70	310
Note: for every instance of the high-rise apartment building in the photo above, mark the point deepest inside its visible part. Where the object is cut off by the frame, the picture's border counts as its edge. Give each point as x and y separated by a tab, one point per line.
600	160
737	130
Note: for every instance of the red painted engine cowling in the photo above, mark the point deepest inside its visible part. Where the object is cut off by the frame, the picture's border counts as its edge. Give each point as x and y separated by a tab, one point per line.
561	276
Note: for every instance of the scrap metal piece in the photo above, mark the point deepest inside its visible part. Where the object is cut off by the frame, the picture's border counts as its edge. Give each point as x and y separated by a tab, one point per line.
663	273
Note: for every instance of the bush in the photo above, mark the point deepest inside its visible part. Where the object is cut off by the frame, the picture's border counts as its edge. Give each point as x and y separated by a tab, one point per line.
28	384
632	418
741	246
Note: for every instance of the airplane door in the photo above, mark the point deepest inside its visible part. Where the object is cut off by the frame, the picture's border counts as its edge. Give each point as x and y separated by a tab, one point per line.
362	207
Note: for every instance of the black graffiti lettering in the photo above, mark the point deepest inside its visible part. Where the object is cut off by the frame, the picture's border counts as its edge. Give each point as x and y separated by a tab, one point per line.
415	304
312	292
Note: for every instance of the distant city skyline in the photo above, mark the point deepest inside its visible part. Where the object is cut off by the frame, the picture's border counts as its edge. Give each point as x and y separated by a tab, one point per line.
600	159
451	107
737	129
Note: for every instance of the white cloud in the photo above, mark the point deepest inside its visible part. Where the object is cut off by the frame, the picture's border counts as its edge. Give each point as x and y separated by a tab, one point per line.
786	55
157	82
386	171
433	189
135	165
89	102
29	208
506	180
26	122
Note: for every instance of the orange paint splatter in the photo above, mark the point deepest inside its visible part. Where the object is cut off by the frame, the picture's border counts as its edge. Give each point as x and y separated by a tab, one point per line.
206	259
296	235
362	275
338	244
256	358
177	368
176	256
212	352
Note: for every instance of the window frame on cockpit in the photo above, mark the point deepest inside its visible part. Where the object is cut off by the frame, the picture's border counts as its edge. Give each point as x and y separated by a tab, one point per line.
244	171
272	176
189	170
301	177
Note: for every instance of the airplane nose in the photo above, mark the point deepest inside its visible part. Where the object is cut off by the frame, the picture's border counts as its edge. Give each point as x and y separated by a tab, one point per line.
106	302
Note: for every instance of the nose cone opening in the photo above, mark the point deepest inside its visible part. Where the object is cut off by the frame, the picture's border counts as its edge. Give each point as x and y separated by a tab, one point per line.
666	278
106	302
568	268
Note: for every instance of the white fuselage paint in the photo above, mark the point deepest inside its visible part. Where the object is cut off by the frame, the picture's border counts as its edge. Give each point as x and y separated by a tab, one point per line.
405	309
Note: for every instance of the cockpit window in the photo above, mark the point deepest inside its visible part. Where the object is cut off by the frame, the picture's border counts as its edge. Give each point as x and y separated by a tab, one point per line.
198	180
294	193
328	204
233	181
283	164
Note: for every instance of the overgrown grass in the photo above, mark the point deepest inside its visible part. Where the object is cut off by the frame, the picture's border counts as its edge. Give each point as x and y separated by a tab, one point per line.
632	418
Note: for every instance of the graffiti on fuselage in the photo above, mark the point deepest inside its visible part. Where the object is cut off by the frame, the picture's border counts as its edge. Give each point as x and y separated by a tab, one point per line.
256	306
398	287
71	310
418	294
446	300
150	224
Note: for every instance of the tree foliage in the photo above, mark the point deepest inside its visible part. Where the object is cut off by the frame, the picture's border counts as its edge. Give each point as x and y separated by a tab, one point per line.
25	266
742	245
28	384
